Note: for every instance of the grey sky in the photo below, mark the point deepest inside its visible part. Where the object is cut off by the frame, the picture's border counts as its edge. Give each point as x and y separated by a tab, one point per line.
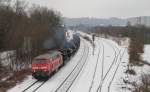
98	8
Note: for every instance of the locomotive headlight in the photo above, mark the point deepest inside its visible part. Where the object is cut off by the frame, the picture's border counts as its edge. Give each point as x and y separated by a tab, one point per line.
44	67
34	68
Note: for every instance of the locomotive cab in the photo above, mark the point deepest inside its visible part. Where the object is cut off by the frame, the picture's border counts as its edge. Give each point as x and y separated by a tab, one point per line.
45	65
40	68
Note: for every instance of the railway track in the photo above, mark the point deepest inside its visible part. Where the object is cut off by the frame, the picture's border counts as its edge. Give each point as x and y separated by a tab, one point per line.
116	70
103	77
34	86
67	83
115	61
30	86
95	69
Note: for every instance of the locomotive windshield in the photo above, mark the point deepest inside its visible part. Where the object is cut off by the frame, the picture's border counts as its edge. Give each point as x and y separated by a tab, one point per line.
40	61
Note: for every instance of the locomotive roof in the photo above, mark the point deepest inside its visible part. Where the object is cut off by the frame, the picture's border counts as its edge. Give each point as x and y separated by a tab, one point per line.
48	55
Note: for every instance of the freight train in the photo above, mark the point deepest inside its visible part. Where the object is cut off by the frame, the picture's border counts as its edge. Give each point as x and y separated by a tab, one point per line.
45	65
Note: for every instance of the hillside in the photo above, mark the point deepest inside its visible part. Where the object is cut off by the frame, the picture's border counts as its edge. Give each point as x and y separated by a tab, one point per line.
106	22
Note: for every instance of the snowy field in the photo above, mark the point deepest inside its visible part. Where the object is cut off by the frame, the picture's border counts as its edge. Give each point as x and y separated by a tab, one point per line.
146	55
99	69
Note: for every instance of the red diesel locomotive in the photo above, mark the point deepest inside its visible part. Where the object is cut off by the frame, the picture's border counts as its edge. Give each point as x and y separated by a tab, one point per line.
44	65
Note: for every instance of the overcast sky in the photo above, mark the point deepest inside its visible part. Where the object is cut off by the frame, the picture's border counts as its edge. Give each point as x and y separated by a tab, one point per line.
98	8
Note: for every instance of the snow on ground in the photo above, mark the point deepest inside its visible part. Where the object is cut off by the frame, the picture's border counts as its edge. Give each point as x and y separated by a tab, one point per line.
5	57
84	83
146	55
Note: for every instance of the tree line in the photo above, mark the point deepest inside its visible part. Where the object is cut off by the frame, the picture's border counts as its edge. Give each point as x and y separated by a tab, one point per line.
23	29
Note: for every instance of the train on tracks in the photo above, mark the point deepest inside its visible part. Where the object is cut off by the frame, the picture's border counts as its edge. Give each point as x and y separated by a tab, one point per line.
45	65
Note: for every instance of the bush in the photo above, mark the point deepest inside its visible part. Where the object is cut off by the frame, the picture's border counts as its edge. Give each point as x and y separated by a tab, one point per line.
144	86
130	71
13	80
136	46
